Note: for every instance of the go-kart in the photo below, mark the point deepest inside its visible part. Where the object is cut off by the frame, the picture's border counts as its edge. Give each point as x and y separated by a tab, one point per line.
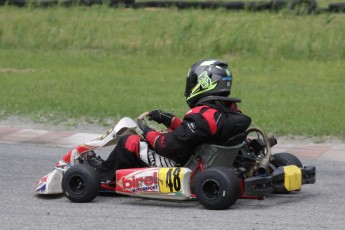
216	175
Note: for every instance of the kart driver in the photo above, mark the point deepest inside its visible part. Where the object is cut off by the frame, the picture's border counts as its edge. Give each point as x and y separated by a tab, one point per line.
213	118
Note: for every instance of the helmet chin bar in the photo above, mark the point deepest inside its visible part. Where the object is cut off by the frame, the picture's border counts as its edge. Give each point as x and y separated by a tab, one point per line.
216	98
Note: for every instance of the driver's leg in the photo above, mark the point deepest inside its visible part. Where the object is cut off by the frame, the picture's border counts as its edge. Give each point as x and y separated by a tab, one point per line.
124	155
131	152
151	158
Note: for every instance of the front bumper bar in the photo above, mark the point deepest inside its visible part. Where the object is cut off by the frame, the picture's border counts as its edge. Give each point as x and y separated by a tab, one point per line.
284	179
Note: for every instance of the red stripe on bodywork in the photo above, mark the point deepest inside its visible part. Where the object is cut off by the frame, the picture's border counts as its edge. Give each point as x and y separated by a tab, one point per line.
132	144
83	148
80	149
67	157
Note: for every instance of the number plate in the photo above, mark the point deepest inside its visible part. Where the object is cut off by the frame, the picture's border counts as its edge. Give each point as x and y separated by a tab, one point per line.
170	180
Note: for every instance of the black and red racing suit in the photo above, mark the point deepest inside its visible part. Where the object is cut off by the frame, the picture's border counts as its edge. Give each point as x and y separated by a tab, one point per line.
202	124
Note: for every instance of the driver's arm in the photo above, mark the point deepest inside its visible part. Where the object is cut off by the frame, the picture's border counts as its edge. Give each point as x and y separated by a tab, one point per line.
192	131
175	123
168	119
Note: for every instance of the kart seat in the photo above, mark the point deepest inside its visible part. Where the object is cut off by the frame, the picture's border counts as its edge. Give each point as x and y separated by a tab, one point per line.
215	155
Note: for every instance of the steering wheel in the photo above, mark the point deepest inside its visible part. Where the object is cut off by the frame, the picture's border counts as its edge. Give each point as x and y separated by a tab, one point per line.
143	119
144	122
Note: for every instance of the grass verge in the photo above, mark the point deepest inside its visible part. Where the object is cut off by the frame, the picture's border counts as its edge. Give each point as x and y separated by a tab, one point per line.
96	63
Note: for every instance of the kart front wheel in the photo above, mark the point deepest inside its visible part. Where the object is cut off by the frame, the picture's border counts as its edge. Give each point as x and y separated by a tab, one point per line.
81	183
217	188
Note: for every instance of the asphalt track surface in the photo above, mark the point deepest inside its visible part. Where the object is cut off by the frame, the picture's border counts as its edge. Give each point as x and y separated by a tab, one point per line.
318	206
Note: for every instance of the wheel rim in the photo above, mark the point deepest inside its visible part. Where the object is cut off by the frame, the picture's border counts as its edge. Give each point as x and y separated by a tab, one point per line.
210	189
76	184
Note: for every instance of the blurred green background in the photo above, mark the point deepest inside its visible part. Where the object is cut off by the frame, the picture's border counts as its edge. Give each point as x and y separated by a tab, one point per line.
95	63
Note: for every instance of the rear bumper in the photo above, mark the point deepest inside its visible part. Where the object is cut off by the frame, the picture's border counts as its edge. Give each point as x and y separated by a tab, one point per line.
308	176
284	179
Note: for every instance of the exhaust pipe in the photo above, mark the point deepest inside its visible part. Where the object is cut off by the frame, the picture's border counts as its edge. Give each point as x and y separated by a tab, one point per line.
269	142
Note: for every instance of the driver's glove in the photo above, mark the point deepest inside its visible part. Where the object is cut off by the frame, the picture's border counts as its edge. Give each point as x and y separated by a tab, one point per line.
161	117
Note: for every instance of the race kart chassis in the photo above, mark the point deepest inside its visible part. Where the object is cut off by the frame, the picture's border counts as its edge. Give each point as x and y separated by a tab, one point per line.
215	175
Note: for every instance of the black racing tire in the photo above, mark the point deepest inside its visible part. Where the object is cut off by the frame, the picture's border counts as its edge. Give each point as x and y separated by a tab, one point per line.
284	159
217	188
81	183
303	6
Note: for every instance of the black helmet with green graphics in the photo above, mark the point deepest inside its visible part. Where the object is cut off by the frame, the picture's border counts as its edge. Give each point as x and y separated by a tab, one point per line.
209	77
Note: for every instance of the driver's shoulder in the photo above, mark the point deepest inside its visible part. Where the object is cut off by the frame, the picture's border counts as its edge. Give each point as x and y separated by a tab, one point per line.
204	115
201	110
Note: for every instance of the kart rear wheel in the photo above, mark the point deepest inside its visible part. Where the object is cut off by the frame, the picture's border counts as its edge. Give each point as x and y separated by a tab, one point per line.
284	159
217	188
81	183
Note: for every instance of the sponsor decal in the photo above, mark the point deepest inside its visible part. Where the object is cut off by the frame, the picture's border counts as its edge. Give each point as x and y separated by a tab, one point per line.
227	78
228	73
107	133
41	184
191	126
41	189
156	180
141	181
44	179
204	80
151	158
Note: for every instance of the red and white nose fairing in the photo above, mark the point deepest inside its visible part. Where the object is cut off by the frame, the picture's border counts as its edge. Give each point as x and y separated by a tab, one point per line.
51	183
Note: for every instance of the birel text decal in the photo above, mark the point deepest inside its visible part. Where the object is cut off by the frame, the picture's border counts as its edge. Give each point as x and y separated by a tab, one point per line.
139	184
139	181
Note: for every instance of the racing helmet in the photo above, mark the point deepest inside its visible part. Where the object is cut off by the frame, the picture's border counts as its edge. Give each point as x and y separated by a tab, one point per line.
209	77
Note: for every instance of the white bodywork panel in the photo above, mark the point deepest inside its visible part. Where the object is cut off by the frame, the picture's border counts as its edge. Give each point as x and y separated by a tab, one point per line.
51	183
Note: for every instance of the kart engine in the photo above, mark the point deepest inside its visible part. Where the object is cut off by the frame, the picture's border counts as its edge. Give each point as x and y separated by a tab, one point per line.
251	155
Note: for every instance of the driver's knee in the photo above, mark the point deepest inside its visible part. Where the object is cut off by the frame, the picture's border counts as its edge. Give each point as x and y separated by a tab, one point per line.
125	153
131	143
